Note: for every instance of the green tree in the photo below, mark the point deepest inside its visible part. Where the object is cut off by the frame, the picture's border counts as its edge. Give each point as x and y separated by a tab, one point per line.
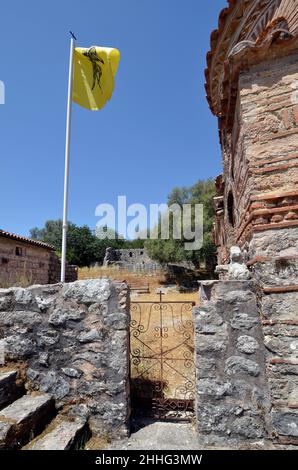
83	246
51	233
137	243
166	251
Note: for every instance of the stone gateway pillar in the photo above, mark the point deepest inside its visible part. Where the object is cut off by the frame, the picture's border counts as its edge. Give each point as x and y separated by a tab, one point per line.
233	400
252	87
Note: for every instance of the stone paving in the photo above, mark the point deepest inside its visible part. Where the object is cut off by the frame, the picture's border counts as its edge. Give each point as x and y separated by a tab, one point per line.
158	435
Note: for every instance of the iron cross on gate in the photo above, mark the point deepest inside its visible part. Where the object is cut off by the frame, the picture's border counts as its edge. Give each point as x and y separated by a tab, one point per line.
161	293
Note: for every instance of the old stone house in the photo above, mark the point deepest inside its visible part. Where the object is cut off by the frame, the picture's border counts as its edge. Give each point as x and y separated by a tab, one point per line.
24	261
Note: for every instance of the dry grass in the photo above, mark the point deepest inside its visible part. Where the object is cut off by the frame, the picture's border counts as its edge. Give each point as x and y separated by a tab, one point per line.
98	443
162	346
170	296
111	272
20	279
155	282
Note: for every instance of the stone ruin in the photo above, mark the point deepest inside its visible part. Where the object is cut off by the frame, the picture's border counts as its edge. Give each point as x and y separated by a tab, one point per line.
135	260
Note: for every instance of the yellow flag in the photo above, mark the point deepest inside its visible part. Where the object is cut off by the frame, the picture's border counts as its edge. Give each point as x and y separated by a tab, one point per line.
94	73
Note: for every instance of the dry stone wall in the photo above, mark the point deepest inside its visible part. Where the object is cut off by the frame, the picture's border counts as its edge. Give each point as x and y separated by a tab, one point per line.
73	340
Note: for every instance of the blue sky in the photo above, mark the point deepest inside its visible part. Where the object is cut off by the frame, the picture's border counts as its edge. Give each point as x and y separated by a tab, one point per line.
156	133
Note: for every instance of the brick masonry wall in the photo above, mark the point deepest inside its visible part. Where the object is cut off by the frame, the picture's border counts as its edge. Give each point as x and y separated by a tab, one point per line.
233	399
260	155
74	342
269	115
269	123
71	272
261	171
253	89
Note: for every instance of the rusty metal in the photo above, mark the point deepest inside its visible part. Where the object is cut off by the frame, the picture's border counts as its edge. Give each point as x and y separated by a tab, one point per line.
162	365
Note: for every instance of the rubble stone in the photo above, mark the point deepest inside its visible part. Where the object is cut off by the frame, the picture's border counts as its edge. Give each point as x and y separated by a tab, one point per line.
75	346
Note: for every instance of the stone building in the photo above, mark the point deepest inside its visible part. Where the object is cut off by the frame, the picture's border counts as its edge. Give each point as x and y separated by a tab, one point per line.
136	259
252	87
24	261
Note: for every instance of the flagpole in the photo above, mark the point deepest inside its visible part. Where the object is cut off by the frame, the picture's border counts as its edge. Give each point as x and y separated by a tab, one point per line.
67	155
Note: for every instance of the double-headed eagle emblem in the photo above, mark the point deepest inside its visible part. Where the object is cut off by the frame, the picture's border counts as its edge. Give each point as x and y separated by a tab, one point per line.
95	61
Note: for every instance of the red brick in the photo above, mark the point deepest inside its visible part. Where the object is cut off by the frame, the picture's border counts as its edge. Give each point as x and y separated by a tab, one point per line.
286	118
295	114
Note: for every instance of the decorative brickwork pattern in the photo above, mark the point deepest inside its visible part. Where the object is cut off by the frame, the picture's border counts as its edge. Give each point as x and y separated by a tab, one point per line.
252	86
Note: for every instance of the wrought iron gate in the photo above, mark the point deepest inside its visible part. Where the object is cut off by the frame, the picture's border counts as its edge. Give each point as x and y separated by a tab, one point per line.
162	365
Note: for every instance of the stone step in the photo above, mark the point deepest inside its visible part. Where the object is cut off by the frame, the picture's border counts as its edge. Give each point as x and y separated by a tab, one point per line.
24	419
61	435
9	390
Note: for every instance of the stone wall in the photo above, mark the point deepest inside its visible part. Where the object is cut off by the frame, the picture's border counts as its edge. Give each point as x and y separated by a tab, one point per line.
233	400
279	313
252	87
31	265
276	271
247	359
73	340
23	263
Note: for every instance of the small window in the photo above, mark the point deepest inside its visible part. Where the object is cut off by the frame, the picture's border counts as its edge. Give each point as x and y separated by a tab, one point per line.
141	252
19	251
130	254
4	260
231	214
